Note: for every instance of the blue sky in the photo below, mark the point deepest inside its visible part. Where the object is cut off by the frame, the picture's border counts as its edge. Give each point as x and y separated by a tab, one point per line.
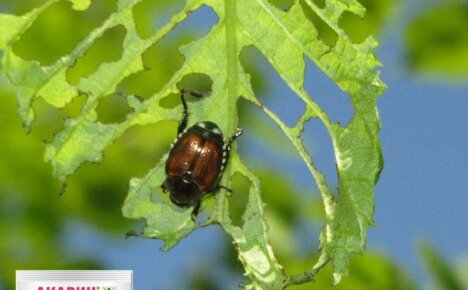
422	191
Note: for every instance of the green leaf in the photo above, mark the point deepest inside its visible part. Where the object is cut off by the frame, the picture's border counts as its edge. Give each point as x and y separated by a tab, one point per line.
357	149
437	41
284	38
440	269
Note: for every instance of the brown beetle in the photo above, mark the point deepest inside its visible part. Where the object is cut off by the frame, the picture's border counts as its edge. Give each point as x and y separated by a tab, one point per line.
197	159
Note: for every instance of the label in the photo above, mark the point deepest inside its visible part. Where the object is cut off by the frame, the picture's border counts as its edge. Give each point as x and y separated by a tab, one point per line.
74	280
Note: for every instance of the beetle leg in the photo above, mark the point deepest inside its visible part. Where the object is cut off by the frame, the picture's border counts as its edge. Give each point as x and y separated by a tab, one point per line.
132	233
183	122
227	148
197	94
195	210
163	186
224	187
233	137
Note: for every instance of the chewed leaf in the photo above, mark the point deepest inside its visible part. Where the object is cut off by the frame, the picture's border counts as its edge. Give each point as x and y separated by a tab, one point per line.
162	220
251	241
284	38
357	149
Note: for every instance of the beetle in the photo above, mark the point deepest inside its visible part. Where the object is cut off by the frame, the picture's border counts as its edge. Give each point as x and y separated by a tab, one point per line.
197	159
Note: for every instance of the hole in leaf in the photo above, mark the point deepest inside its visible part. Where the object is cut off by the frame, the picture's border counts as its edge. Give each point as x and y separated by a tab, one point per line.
198	23
264	132
49	120
145	145
307	230
282	198
196	82
279	193
319	3
107	48
55	33
171	101
112	109
150	15
357	28
328	95
263	145
162	60
278	97
376	16
73	109
238	200
249	61
316	137
326	34
282	4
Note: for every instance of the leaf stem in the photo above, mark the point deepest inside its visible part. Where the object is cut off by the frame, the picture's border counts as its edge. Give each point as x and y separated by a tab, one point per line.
231	55
230	11
306	276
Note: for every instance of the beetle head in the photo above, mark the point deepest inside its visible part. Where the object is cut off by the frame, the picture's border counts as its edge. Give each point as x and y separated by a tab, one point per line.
181	191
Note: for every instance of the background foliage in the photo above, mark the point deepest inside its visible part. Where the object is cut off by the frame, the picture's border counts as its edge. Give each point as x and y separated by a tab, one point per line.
41	220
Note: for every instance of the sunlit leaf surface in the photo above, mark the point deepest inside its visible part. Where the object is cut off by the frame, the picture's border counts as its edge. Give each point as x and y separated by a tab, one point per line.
284	38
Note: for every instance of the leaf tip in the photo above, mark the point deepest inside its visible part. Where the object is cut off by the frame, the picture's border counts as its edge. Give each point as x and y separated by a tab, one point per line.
80	5
337	278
